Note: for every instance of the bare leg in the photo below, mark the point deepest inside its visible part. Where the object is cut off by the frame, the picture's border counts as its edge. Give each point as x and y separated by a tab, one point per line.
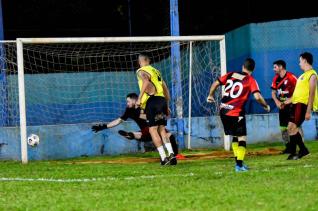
157	141
137	135
165	139
164	135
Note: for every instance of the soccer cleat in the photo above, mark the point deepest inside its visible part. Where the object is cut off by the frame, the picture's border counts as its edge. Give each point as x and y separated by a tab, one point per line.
241	169
172	159
180	157
292	157
128	135
246	167
303	153
165	162
285	151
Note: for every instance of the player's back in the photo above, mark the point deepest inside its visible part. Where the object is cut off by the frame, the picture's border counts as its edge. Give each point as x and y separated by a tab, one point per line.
237	88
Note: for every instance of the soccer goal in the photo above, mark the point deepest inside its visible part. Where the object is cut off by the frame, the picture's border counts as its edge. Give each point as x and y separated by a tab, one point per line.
61	81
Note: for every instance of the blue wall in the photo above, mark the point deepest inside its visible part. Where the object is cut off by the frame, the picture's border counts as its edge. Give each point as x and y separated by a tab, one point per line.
76	140
267	42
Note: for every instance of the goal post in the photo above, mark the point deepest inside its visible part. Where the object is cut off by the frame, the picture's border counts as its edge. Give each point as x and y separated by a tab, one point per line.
23	129
226	138
109	57
121	39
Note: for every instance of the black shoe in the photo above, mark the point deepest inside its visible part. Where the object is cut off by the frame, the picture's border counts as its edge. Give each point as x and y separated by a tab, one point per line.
303	153
128	135
165	162
172	159
292	157
285	151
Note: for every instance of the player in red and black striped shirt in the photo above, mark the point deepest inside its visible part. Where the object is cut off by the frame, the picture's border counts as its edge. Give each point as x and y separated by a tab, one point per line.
237	88
283	86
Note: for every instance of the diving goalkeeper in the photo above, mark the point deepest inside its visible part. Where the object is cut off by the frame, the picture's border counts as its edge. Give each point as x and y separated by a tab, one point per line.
135	114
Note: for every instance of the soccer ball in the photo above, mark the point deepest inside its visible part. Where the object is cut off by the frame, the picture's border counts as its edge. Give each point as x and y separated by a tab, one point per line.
33	140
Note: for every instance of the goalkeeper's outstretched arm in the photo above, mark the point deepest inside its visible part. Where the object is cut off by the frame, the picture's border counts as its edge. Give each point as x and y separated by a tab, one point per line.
114	123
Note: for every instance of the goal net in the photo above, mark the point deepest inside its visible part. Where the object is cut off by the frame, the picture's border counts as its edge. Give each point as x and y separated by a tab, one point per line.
86	80
9	106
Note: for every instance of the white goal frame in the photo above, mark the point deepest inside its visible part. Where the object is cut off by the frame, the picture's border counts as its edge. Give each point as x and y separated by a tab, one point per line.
21	41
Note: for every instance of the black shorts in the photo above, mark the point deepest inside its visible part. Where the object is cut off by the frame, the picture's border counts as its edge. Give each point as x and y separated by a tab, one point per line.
298	113
284	116
145	135
156	111
234	125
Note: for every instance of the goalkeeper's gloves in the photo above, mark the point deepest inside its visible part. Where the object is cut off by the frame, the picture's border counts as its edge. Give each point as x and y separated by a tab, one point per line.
98	127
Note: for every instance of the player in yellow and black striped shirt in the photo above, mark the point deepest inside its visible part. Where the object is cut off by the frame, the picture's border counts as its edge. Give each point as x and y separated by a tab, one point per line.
304	100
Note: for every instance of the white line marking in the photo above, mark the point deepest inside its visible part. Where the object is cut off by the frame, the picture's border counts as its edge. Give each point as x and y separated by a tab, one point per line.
18	179
218	173
4	179
104	179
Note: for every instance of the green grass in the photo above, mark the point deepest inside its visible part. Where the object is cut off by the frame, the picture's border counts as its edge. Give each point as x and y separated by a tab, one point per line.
273	183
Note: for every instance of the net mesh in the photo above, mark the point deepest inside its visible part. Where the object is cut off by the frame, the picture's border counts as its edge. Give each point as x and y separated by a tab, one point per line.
88	82
81	83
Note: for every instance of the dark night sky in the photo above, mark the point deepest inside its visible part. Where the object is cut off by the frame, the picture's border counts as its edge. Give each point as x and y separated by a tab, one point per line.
65	18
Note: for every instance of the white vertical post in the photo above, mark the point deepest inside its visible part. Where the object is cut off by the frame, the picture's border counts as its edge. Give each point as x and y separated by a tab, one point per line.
190	96
227	142
23	131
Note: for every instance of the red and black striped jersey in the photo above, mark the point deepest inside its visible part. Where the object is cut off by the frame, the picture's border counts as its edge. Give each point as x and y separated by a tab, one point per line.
238	87
284	86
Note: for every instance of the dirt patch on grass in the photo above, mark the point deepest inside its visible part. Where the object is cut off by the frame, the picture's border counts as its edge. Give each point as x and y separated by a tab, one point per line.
189	157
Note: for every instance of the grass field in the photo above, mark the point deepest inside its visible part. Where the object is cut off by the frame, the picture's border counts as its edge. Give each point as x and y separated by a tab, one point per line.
210	183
